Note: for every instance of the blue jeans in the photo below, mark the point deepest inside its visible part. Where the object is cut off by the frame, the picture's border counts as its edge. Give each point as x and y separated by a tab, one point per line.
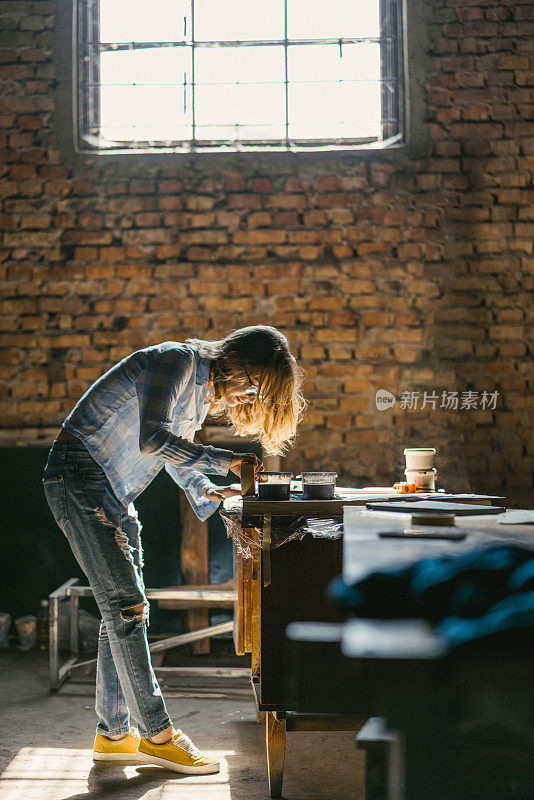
105	539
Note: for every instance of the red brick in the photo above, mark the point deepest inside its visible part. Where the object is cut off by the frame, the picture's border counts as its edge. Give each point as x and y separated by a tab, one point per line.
147	220
85	253
297	201
200	202
21	171
297	185
170	186
342	251
244	201
261	185
28	122
338	420
259	236
171	203
372	318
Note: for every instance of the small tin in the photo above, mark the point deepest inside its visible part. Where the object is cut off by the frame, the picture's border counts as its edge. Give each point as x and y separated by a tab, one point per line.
318	485
274	485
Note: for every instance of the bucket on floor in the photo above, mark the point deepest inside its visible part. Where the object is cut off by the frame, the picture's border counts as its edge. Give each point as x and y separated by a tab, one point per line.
27	632
318	485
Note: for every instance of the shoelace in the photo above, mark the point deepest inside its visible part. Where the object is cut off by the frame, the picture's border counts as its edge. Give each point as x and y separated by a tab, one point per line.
184	743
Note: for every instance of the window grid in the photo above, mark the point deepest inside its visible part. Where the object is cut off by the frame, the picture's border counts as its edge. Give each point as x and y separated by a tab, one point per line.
391	81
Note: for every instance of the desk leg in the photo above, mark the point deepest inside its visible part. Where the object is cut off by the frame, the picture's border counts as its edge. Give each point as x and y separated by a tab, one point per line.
275	738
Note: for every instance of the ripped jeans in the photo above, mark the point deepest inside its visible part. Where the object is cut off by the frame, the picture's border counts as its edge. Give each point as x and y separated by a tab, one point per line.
105	539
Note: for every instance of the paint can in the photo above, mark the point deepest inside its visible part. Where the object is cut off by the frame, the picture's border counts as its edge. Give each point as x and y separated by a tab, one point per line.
274	485
318	485
419	457
422	478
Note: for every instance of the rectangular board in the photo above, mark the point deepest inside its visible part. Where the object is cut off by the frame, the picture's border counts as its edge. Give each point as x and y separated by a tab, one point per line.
433	506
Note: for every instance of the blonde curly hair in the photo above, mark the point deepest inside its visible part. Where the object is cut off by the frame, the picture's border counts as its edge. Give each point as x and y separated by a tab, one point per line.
259	350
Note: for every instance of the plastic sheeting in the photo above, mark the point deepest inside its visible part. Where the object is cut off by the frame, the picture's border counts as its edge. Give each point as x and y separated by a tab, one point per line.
249	531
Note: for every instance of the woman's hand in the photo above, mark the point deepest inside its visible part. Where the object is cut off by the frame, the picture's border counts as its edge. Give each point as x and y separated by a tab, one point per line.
221	493
237	460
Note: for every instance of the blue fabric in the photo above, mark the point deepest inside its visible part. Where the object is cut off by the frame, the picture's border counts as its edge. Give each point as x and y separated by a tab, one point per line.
478	594
142	416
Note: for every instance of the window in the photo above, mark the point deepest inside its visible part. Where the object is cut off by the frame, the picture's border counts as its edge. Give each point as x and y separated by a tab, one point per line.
216	75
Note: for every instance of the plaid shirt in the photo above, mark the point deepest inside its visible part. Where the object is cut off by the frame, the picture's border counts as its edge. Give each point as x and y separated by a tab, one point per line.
142	415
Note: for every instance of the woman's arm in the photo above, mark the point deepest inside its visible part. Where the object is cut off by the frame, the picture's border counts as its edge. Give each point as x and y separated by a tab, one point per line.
202	494
159	387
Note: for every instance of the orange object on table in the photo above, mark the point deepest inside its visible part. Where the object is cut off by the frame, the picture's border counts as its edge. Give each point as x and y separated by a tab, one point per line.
404	488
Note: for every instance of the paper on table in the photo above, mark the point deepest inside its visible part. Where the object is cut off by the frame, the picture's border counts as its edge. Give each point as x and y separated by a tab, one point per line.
517	517
366	490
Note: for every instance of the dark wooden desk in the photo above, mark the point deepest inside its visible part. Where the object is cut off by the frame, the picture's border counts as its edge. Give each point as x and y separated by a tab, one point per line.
299	572
279	586
461	726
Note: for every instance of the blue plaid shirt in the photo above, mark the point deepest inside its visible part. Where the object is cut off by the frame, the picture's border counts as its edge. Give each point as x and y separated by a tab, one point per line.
142	416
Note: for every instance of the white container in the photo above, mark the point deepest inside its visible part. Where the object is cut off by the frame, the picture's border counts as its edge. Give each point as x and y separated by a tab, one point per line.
422	478
419	457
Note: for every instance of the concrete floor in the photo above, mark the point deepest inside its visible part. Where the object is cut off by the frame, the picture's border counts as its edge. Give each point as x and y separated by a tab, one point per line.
46	745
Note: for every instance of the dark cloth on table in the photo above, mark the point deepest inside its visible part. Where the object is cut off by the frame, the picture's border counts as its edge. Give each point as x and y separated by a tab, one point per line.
471	596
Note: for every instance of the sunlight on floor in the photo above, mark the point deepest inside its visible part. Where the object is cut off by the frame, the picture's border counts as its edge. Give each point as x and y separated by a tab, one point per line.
51	773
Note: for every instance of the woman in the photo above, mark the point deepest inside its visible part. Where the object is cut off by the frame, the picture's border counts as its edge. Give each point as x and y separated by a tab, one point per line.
137	418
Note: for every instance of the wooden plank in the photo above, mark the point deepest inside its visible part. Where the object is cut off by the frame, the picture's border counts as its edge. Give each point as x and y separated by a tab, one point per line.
247	567
256	604
247	600
209	600
253	506
242	635
192	636
275	740
239	603
322	722
247	479
194	563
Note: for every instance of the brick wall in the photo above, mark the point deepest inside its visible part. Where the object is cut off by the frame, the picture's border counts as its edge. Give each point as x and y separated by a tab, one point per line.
408	276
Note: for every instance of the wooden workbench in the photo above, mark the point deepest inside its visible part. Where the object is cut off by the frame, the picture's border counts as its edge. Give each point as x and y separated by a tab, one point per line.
276	587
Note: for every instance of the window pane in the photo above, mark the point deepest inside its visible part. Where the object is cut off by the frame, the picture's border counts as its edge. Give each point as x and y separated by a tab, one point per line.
239	64
324	110
240	111
343	99
142	94
325	62
238	20
142	21
240	93
340	18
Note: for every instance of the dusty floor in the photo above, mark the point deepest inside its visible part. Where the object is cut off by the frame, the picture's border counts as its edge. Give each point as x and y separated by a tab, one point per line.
46	744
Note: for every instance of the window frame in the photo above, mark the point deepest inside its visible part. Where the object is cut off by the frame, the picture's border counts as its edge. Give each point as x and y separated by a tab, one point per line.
89	49
411	54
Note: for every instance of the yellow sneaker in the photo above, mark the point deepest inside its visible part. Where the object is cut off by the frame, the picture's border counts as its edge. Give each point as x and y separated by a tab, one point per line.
180	755
105	749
